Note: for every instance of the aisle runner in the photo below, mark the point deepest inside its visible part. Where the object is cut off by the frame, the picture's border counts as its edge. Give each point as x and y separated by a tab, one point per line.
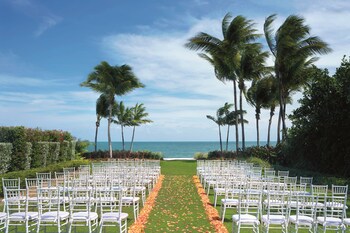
178	208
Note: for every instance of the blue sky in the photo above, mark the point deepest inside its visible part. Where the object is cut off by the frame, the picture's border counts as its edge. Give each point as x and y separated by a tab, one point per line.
47	48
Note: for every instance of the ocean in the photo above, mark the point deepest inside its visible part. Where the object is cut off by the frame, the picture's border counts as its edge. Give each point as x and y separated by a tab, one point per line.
173	149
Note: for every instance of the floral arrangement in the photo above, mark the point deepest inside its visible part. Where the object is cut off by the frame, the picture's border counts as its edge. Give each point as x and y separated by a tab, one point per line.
211	212
139	225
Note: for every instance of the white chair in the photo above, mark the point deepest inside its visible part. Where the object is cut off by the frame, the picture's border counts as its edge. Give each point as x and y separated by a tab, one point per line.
321	192
44	179
49	204
249	209
81	204
32	186
332	216
275	212
231	199
306	180
129	197
3	218
303	213
110	203
17	210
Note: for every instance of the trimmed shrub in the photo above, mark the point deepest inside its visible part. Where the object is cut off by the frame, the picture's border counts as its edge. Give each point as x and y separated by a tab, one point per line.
258	161
222	155
28	153
40	154
71	151
64	151
5	157
200	155
54	152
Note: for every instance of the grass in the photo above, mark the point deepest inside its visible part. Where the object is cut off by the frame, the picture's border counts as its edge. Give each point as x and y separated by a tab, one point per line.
178	206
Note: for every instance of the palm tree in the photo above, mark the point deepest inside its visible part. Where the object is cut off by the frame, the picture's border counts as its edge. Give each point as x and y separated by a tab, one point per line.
293	49
123	118
219	121
224	112
101	112
224	54
138	117
251	67
112	81
257	96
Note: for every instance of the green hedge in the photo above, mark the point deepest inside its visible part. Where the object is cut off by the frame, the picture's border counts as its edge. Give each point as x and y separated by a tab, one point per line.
58	167
5	157
54	152
28	152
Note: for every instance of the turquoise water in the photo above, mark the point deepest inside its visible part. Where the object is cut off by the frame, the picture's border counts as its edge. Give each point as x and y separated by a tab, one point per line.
172	149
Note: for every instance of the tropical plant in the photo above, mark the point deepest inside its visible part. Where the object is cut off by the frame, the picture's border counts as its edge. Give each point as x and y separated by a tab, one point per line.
251	67
112	81
257	96
225	112
101	112
225	55
219	121
293	49
138	117
123	118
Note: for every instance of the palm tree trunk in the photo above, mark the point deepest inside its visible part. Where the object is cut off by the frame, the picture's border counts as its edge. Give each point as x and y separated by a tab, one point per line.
227	137
257	117
236	122
132	138
109	131
279	128
284	126
272	110
123	144
242	121
220	139
96	132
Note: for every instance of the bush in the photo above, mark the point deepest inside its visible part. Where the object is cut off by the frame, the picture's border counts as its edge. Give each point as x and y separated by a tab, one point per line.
28	153
258	161
222	155
81	147
40	154
5	157
54	152
123	155
200	155
64	151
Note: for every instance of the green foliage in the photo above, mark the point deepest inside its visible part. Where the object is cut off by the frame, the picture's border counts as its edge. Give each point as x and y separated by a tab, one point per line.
5	156
28	153
58	167
321	125
54	152
81	146
40	154
224	154
200	155
258	161
64	153
123	154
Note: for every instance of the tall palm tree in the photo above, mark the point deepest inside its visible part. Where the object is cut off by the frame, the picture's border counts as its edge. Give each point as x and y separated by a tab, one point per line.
101	112
123	118
224	112
219	121
138	117
293	49
257	96
251	67
112	81
224	54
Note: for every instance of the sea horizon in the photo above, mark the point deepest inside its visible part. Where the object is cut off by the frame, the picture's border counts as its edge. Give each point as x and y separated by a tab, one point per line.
174	149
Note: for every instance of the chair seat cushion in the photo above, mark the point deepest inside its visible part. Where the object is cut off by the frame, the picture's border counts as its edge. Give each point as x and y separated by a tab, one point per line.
21	216
113	217
84	216
329	221
273	219
245	218
52	216
130	199
229	201
2	215
302	220
347	221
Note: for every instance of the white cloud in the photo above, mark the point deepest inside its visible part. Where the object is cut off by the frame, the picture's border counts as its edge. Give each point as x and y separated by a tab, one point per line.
47	23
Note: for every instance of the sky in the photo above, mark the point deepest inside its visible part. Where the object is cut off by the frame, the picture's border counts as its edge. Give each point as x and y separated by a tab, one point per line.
47	48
